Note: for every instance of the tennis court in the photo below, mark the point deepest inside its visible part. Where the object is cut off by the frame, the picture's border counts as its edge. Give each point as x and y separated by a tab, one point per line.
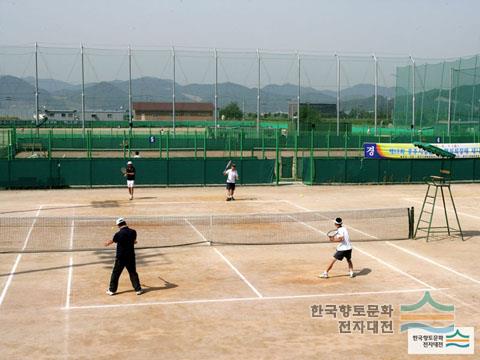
226	279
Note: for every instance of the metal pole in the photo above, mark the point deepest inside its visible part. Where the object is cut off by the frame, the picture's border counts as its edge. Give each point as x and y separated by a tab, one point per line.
376	92
413	91
258	93
215	118
83	87
173	92
440	94
338	93
298	95
450	102
473	88
36	86
423	93
130	120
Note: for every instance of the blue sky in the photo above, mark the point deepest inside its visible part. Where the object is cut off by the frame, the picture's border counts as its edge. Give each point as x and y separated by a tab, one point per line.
424	28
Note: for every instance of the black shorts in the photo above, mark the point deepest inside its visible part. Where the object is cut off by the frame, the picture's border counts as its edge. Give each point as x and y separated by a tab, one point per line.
230	186
339	255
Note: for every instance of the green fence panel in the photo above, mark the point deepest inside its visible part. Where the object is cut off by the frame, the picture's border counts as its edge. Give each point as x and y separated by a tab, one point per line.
422	169
462	169
150	171
253	171
31	173
4	173
107	172
476	169
360	170
287	167
326	170
214	168
185	171
74	172
394	171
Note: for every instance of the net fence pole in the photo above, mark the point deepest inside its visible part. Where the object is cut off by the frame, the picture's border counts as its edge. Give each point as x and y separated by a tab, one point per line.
298	94
241	143
173	92
36	87
295	157
311	156
338	93
440	93
450	102
258	92
277	157
413	92
474	81
375	61
167	145
205	144
457	84
130	119
160	143
195	144
215	114
82	60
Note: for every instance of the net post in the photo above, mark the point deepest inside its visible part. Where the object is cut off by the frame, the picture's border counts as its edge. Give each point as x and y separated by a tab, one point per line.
411	222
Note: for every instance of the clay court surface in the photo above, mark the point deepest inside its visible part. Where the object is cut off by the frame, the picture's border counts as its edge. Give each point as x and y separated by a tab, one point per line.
226	301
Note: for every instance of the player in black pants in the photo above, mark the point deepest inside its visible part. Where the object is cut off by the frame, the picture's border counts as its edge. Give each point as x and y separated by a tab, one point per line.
125	239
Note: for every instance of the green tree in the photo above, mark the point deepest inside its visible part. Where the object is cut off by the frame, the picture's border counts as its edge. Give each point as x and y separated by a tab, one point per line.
231	112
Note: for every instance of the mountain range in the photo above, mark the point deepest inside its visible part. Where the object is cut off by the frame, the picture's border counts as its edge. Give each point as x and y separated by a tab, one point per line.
17	94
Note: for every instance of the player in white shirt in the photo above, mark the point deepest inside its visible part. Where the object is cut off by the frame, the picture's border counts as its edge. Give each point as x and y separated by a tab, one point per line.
344	249
232	176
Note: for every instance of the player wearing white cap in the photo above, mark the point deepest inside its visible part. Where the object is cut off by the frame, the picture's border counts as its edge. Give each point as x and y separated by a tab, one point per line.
125	239
130	175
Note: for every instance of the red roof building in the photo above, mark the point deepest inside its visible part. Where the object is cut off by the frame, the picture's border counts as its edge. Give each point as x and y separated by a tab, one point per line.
164	111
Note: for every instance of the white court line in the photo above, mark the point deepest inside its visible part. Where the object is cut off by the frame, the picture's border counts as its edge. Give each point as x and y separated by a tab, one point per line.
197	231
227	261
378	259
307	225
394	268
70	267
239	274
441	207
247	299
424	258
19	257
295	205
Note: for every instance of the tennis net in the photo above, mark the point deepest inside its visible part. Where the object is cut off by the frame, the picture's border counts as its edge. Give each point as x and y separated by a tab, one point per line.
41	234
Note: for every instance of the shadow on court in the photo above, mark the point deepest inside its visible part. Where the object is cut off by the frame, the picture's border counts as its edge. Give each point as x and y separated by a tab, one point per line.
107	261
147	288
363	272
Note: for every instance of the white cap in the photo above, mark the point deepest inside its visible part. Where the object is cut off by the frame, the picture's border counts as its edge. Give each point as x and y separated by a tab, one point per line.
119	221
129	163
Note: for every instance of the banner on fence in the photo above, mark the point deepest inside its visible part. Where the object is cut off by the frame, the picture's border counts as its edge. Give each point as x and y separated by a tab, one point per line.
410	151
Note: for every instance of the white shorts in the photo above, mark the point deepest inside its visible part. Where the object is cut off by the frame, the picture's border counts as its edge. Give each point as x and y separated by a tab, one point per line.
130	183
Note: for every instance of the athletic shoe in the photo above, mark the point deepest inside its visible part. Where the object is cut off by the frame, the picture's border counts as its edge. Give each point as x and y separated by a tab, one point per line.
233	198
352	274
111	293
139	292
323	275
228	199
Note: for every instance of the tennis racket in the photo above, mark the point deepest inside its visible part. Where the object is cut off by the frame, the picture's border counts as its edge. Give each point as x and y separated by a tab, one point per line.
123	171
228	165
332	233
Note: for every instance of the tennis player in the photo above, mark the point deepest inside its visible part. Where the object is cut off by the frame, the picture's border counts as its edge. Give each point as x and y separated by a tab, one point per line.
232	176
125	239
344	249
130	174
